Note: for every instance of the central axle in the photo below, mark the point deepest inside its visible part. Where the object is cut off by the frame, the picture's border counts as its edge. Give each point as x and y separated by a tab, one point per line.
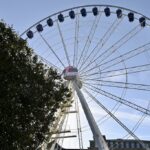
70	73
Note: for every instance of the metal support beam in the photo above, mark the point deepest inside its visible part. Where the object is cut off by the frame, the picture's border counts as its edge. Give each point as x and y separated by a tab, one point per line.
59	132
62	137
70	112
99	140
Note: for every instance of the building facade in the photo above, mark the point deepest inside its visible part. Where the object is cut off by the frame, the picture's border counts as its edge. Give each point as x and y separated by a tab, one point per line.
117	144
122	144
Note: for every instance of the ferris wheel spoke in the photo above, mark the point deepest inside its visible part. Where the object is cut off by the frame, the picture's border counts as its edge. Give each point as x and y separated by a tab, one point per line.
120	72
50	64
106	54
89	39
49	46
123	71
103	41
124	57
120	100
117	120
63	42
106	117
76	40
137	125
143	87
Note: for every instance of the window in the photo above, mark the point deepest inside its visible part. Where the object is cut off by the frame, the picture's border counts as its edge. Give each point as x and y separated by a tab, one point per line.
92	144
116	145
132	145
137	145
111	145
127	145
147	145
108	143
121	144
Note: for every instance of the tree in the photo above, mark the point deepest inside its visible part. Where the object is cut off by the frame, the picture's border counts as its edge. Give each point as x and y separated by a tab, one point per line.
30	93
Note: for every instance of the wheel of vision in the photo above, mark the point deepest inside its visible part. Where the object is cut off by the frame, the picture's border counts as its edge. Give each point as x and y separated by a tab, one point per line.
102	53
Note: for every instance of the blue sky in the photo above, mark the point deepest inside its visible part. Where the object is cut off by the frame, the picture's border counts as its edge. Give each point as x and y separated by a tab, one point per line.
23	14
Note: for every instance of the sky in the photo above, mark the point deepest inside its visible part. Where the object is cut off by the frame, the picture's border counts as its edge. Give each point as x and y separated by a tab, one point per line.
23	14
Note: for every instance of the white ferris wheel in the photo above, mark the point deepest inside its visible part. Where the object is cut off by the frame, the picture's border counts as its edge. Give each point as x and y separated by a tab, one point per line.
102	53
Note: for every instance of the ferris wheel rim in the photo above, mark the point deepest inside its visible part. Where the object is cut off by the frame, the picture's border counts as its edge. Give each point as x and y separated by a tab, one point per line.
77	7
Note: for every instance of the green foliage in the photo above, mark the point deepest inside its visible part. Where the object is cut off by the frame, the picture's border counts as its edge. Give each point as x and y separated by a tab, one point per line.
30	94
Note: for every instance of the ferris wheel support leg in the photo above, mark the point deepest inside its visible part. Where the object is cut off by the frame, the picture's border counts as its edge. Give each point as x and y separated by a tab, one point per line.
99	140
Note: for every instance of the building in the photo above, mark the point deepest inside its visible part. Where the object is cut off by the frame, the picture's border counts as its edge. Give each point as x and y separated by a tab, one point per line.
128	144
122	144
117	144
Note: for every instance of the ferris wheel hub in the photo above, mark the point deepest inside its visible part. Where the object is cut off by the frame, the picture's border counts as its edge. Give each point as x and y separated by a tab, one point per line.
70	73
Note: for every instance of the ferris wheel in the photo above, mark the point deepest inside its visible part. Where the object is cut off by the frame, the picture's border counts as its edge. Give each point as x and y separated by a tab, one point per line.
102	53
